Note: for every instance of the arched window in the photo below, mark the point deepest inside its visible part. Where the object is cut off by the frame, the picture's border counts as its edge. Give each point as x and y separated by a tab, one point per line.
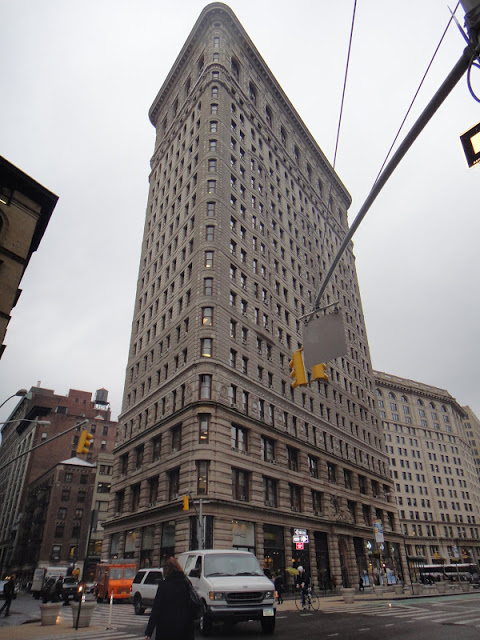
214	92
404	399
391	395
431	405
444	408
379	393
419	402
283	135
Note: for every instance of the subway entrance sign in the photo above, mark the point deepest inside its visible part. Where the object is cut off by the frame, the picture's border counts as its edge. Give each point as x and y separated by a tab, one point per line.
471	145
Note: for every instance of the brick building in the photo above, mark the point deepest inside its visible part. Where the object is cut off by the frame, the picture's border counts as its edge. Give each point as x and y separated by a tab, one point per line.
244	216
55	521
37	418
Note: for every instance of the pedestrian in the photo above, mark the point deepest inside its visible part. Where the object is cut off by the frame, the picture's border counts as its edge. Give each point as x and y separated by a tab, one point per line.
279	587
171	611
334	583
8	592
360	584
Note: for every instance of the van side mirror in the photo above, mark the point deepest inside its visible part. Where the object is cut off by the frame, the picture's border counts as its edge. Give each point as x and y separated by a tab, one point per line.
194	573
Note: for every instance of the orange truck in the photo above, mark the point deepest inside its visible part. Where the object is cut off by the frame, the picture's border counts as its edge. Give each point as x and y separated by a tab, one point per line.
114	578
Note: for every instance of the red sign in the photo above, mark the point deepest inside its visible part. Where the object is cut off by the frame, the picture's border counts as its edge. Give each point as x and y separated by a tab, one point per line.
299	546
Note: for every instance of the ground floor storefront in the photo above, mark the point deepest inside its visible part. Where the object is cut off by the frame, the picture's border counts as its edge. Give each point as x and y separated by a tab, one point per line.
335	554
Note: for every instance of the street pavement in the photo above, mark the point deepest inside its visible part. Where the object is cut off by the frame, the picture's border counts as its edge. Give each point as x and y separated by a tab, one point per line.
122	624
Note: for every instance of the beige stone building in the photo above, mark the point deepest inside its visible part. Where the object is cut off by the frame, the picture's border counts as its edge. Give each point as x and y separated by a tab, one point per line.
432	465
244	216
25	210
471	425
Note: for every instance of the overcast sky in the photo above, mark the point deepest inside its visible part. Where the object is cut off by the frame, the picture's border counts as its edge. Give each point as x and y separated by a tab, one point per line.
77	82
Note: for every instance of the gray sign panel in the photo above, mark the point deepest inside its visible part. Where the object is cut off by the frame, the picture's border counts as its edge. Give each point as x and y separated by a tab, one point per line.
324	339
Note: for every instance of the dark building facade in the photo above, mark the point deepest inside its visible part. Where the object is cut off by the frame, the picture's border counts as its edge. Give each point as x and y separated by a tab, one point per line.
244	217
38	417
25	211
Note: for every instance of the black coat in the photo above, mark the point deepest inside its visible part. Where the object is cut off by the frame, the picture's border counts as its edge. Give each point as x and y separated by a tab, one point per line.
171	611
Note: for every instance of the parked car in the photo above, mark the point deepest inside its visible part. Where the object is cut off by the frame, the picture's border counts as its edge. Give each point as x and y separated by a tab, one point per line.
144	589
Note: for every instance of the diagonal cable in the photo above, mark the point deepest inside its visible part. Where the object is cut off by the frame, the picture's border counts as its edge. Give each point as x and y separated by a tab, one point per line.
416	93
344	83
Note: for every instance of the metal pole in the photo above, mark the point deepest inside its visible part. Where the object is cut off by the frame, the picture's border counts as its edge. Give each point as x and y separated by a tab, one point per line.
202	539
75	426
79	607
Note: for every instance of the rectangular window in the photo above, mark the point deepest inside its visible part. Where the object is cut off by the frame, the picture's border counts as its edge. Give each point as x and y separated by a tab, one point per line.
208	286
269	491
240	488
317	502
173	484
292	459
239	438
202	477
210	209
203	428
295	497
176	433
207	316
268	449
205	387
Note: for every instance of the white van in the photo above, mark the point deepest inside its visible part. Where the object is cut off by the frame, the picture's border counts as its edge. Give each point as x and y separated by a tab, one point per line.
232	586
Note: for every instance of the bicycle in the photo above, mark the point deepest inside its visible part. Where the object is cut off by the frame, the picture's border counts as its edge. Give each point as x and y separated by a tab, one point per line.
312	603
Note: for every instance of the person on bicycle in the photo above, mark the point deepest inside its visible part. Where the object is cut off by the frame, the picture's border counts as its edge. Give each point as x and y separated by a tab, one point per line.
303	583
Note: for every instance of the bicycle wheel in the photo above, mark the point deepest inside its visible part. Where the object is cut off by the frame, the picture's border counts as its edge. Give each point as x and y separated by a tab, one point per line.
314	602
298	601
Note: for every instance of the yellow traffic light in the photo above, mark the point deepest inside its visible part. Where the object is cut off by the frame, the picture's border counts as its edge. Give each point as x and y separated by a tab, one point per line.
319	372
84	442
186	506
297	367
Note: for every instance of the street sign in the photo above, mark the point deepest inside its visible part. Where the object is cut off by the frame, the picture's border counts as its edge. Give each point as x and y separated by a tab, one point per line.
301	538
299	546
324	339
471	145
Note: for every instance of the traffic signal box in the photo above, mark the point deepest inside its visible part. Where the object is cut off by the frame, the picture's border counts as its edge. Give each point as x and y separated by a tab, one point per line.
298	373
186	505
319	372
84	442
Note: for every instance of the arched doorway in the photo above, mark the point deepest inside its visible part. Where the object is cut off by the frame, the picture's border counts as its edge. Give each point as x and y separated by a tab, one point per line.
343	553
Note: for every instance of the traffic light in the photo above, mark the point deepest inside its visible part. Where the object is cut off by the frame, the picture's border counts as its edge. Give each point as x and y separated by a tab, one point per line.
319	372
297	372
84	442
186	505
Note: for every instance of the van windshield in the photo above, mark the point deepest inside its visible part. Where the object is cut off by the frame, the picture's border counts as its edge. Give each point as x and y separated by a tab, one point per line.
231	564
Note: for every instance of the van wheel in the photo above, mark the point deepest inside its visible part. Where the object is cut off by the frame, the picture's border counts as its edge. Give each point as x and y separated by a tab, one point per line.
268	625
205	624
137	605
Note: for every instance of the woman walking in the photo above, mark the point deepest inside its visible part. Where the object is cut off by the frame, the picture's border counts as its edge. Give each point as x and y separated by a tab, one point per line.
171	612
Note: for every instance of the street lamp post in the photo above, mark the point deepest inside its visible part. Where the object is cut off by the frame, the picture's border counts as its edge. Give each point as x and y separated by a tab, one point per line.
21	393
